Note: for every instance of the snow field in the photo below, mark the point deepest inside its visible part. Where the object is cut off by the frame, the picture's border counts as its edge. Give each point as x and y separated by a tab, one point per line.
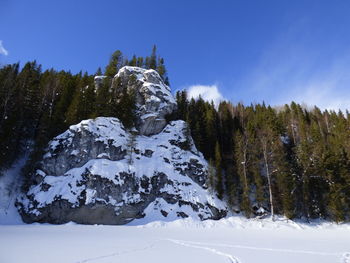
228	240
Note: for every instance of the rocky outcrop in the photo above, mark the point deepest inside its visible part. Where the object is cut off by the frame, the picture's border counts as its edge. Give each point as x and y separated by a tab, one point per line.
153	97
97	172
103	138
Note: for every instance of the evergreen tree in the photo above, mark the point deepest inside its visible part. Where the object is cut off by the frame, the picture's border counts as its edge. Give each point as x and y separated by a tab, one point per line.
242	164
115	63
98	72
103	99
153	58
133	61
218	165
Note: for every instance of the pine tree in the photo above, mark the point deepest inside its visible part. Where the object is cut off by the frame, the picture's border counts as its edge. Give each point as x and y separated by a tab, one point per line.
242	163
66	85
218	168
140	62
103	99
98	72
211	129
133	61
115	63
211	175
182	104
9	114
127	106
153	58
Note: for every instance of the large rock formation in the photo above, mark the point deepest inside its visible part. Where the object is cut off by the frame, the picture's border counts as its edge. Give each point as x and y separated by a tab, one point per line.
153	97
97	172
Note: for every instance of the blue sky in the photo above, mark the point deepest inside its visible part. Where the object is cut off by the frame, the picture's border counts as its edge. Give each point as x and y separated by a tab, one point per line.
249	51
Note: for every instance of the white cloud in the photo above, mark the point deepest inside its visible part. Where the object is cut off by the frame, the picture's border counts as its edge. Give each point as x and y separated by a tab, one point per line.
207	92
291	70
326	93
3	51
326	87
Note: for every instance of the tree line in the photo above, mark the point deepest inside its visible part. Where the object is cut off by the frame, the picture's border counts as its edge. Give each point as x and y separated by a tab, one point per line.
289	160
37	105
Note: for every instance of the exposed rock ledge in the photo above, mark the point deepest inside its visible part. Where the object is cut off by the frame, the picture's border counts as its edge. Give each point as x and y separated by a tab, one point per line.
153	97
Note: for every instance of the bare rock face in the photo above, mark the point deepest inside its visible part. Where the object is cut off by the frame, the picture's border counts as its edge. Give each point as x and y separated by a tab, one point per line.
88	140
99	173
153	98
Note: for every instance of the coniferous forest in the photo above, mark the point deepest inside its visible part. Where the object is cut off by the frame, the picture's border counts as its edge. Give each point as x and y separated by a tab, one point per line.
288	160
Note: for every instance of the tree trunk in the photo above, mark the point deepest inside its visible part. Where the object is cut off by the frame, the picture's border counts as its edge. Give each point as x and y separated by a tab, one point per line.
268	179
245	164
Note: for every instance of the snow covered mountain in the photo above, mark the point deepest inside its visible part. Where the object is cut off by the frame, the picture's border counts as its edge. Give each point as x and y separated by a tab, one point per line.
97	172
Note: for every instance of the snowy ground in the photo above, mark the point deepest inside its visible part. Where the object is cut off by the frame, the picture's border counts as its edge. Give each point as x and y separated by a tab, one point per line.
234	239
230	240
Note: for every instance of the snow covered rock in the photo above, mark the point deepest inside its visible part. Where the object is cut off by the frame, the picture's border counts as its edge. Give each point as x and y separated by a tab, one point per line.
153	98
99	81
98	173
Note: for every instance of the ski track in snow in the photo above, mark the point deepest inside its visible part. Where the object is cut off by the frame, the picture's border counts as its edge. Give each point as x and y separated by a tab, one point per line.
269	249
117	253
231	258
190	244
345	257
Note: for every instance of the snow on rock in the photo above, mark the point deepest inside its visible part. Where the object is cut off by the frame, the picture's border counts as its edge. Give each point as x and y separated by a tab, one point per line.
10	182
153	97
83	142
98	173
99	81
